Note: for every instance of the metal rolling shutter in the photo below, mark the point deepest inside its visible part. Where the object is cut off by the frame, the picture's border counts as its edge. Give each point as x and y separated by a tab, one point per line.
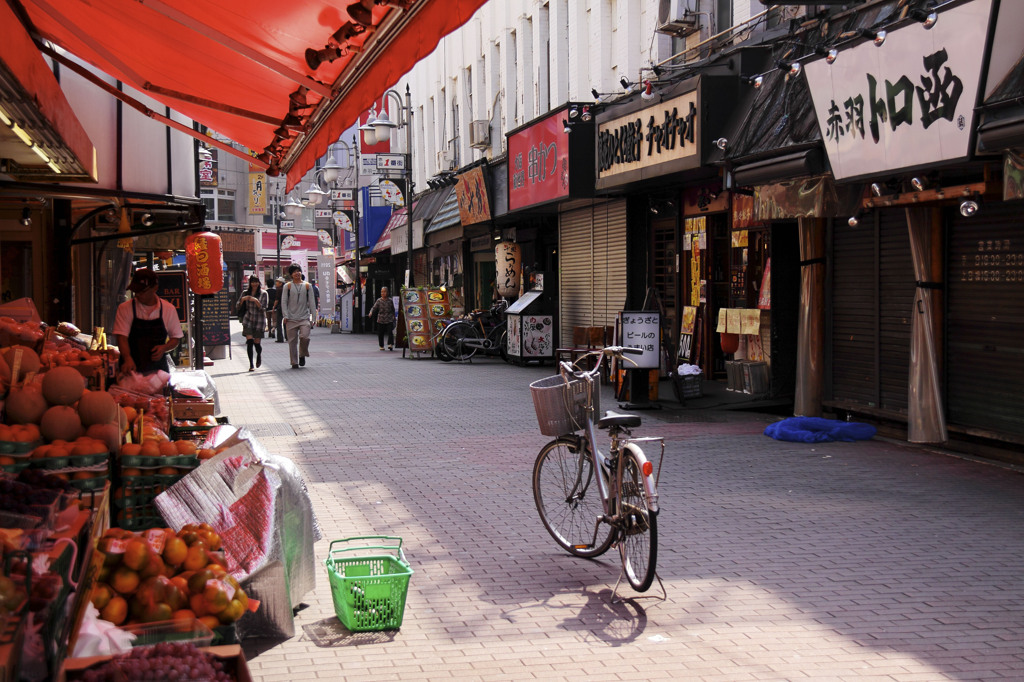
895	303
872	296
852	308
985	308
592	266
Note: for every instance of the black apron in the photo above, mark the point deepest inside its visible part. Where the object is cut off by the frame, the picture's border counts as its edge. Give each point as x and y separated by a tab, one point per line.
145	335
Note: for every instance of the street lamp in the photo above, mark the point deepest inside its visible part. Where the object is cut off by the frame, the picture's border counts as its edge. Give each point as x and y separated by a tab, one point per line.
381	132
329	174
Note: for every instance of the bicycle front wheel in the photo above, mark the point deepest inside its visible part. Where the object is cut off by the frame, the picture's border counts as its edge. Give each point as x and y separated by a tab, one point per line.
568	499
638	525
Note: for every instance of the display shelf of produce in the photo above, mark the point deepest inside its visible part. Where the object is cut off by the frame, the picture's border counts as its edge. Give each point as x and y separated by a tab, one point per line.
194	432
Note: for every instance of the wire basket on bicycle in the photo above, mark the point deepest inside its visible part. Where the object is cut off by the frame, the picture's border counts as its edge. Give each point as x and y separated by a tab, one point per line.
561	404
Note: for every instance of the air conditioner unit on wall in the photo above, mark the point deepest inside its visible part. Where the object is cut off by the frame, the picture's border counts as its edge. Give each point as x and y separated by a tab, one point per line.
480	134
676	19
446	159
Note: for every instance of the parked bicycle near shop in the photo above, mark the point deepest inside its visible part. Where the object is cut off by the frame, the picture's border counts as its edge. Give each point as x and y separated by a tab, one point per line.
481	331
588	499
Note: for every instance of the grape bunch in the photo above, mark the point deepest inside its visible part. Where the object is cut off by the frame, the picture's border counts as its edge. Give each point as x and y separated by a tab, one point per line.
164	661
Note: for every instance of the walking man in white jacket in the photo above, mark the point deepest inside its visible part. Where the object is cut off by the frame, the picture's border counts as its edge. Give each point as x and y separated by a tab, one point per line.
298	308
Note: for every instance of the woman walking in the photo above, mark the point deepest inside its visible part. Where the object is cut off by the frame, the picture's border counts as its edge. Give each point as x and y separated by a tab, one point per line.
384	309
252	306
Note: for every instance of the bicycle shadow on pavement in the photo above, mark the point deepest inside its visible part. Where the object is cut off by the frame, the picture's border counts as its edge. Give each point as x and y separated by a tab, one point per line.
614	623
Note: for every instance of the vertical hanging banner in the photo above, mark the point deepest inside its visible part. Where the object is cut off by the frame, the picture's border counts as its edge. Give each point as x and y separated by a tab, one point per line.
471	191
257	193
509	268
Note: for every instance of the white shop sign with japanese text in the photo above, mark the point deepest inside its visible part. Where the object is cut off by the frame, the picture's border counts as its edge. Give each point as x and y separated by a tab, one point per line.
642	330
906	103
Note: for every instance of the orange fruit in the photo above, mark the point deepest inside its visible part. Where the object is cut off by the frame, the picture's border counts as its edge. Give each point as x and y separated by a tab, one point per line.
154	566
185	447
115	611
124	580
156	612
232	612
101	595
198	606
197	581
150	448
130	413
4	459
131	449
206	453
175	551
215	596
196	559
131	471
136	554
82	475
41	451
167	471
210	622
5	432
184	615
168	449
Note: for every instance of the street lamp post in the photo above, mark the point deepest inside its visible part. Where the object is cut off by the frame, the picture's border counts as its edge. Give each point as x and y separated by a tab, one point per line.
379	130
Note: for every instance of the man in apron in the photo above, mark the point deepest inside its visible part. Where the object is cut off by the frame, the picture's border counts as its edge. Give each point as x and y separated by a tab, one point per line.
146	327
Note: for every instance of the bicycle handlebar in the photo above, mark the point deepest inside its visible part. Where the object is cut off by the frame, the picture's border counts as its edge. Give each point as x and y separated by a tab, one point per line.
603	354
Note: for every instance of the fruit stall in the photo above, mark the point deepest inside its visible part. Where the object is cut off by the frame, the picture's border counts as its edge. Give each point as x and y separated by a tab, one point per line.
86	558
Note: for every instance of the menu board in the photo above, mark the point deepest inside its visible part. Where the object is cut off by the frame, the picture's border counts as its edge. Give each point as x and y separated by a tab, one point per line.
216	319
642	330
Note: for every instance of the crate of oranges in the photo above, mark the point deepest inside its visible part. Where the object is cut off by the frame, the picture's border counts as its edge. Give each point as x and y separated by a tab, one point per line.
159	575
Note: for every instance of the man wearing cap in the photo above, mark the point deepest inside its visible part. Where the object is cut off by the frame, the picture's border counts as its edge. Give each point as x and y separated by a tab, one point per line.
146	326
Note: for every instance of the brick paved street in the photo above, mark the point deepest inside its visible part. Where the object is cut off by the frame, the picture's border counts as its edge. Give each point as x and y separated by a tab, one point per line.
782	561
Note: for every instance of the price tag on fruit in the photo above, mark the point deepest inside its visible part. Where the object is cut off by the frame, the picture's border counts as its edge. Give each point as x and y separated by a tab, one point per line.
157	538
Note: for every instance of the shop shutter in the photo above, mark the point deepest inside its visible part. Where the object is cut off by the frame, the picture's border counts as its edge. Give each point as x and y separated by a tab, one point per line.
853	322
872	296
985	306
592	266
895	303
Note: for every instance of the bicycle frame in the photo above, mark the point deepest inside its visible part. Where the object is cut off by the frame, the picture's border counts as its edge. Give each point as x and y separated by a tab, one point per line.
600	459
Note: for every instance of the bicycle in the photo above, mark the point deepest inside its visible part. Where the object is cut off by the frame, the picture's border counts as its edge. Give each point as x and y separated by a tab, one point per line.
483	330
588	500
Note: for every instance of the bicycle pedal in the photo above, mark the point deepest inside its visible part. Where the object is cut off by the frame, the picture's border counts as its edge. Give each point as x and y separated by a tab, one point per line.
583	547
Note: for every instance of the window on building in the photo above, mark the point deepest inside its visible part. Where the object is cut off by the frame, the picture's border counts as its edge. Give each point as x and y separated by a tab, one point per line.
723	15
220	204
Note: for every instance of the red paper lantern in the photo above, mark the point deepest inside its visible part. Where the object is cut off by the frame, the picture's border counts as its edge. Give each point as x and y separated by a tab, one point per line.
204	262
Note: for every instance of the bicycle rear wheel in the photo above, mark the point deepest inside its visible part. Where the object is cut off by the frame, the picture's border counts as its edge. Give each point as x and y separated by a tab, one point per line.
454	338
638	528
567	497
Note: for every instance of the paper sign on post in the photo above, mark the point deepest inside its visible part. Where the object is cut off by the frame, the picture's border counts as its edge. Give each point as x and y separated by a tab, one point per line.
750	321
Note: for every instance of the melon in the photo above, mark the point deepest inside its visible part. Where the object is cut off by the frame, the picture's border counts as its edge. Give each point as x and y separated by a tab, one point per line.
109	433
29	359
60	422
26	405
97	407
63	385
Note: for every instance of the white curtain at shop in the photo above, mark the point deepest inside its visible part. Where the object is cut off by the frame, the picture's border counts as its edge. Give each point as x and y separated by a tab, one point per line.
926	421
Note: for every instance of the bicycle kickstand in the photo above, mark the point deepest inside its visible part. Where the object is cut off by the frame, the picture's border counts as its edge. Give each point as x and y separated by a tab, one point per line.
615	599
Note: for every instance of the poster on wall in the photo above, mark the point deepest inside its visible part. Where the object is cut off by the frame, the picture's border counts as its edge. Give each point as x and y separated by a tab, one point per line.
537	336
764	301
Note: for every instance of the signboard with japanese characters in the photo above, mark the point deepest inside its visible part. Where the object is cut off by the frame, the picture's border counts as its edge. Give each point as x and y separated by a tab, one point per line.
907	102
654	141
538	164
642	330
257	193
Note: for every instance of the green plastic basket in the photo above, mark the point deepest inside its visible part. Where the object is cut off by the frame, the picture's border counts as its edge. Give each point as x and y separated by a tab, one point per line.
368	587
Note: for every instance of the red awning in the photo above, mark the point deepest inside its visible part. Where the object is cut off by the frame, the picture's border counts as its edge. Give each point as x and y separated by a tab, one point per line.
232	64
399	218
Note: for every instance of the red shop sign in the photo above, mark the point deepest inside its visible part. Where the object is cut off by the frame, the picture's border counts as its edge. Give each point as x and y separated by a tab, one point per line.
538	167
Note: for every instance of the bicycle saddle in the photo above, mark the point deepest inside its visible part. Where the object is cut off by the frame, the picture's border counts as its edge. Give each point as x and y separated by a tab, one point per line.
611	418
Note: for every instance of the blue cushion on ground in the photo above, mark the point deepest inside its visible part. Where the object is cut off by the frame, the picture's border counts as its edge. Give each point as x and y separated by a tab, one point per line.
818	430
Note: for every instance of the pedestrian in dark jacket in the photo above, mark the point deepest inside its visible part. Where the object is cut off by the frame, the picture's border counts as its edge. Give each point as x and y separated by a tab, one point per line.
271	304
253	306
383	313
